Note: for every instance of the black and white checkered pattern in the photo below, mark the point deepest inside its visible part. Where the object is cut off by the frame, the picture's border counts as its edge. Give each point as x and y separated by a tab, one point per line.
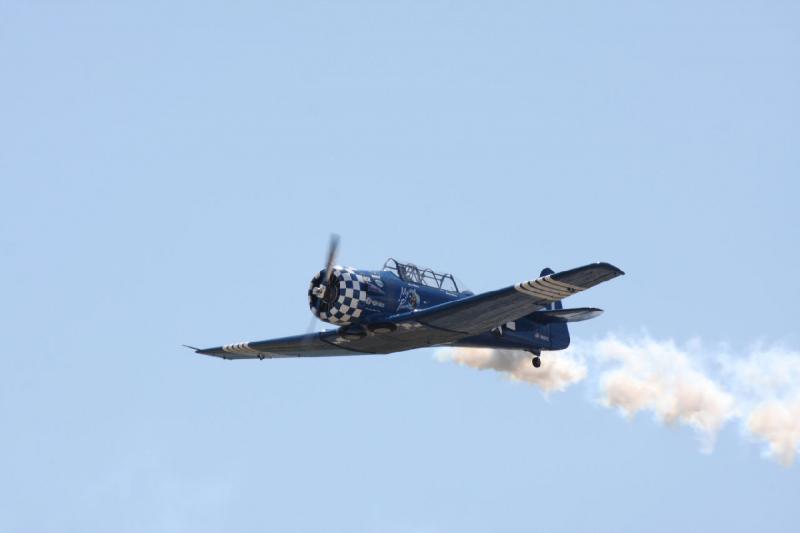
350	300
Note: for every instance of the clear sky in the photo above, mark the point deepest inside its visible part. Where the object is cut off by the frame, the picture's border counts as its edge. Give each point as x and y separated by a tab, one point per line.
171	173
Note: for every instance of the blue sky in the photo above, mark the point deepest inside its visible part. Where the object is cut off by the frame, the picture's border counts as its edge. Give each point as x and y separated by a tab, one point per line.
170	174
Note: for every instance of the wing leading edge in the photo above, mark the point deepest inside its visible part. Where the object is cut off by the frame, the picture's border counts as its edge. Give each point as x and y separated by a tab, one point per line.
311	345
440	324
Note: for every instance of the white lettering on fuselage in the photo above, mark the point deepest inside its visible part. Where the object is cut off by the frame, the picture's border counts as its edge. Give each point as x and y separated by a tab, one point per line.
375	303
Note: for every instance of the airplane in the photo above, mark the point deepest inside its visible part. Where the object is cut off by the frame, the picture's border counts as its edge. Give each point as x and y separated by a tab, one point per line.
403	307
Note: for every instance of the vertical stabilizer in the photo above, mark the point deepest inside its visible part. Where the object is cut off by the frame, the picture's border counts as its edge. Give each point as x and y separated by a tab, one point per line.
557	332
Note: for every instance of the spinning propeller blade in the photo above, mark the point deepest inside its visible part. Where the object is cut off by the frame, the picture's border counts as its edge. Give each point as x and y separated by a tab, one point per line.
333	249
313	325
321	289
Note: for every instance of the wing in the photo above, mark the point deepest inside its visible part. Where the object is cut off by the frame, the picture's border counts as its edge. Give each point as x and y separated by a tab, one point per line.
485	311
440	324
311	345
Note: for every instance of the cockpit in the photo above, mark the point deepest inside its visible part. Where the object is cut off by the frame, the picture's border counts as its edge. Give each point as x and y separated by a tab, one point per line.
422	276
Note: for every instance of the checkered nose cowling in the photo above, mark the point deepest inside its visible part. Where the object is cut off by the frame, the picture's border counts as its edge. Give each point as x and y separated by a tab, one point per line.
344	299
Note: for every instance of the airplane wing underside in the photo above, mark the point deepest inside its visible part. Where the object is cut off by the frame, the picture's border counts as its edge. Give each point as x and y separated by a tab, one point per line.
440	324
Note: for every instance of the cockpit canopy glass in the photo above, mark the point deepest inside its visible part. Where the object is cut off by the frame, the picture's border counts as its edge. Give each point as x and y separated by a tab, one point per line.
422	276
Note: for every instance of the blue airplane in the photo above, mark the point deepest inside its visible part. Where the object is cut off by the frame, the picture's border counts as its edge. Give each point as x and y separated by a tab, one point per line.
404	307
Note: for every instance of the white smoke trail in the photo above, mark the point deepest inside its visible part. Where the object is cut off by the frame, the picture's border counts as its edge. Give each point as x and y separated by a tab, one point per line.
659	377
562	370
678	385
778	423
767	384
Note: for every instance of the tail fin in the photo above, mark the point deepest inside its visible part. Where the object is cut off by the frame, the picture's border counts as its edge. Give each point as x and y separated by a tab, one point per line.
549	326
556	332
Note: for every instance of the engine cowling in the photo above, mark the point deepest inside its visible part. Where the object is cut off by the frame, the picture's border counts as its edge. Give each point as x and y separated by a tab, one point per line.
343	299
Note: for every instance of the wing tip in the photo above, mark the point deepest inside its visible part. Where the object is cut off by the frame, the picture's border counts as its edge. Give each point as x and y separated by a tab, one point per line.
216	352
608	266
588	276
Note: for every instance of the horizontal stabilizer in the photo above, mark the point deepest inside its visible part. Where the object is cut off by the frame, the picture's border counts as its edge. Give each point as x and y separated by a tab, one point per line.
564	315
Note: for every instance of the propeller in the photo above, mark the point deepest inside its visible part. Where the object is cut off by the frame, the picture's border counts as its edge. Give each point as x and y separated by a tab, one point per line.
333	248
320	290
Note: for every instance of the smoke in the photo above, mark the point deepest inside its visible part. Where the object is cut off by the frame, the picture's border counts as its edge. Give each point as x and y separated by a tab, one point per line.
779	425
660	378
678	385
561	371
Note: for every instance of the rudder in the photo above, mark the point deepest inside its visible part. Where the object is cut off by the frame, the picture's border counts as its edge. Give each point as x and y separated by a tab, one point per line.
556	332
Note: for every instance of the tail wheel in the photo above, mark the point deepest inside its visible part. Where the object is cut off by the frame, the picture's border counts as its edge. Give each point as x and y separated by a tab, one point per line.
537	362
